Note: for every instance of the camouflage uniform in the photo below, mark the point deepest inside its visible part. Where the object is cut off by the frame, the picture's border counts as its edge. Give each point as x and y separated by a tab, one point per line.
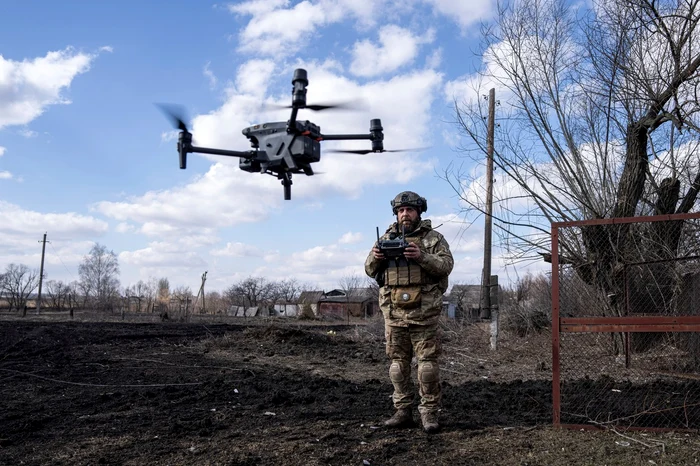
411	302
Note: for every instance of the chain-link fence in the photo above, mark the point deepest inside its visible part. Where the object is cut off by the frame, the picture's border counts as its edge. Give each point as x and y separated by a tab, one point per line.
626	322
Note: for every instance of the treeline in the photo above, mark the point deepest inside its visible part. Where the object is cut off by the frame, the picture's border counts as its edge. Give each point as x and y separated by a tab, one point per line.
99	288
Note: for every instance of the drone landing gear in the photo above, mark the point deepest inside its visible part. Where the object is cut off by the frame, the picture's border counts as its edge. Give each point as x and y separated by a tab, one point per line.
286	178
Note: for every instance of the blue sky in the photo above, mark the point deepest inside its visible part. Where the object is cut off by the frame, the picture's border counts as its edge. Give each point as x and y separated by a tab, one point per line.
86	157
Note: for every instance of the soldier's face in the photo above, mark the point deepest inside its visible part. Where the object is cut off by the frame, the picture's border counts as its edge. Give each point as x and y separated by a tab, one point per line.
408	217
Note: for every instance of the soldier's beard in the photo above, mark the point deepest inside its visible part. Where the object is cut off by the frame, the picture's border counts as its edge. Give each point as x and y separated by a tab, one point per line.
409	226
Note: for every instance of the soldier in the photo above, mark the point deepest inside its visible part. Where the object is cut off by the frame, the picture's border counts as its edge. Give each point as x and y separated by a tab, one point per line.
410	297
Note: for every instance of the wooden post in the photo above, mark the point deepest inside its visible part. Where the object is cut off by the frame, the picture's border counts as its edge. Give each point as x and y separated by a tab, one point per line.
41	274
493	295
485	311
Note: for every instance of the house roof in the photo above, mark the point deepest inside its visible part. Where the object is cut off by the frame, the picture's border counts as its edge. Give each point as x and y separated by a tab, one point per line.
353	295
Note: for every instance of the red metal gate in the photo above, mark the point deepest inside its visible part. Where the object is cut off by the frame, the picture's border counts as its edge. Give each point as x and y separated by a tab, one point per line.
626	323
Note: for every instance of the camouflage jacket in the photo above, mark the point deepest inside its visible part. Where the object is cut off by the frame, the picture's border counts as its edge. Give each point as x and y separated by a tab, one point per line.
437	263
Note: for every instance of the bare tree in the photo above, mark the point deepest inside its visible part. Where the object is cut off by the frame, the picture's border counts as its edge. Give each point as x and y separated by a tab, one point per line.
183	296
290	289
59	294
349	284
142	292
17	283
252	292
73	293
163	293
99	275
598	119
215	302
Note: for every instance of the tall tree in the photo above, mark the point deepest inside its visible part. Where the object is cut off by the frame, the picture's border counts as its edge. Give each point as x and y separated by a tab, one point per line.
598	119
17	283
163	287
99	275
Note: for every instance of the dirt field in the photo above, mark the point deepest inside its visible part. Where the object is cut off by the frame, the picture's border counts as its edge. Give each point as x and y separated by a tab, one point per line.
280	392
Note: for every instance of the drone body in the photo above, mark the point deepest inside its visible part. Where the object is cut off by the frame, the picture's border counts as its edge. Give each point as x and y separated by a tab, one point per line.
281	149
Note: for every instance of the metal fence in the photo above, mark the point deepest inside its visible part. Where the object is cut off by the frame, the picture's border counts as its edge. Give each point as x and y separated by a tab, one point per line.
626	323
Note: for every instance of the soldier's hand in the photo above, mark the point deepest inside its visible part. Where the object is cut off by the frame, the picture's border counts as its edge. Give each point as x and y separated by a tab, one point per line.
412	251
378	254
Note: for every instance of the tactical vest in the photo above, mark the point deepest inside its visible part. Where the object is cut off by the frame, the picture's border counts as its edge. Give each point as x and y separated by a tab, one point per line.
402	272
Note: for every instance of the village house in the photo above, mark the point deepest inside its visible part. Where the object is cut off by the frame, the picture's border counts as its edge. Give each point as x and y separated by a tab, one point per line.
341	304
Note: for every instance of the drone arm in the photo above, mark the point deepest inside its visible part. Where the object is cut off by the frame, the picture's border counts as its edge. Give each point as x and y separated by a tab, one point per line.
344	137
375	135
231	153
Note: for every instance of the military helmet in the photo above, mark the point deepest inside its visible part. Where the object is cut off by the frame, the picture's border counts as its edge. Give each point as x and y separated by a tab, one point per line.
410	199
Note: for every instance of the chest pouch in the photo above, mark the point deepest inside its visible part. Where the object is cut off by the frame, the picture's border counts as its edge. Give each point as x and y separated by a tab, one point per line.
405	297
404	273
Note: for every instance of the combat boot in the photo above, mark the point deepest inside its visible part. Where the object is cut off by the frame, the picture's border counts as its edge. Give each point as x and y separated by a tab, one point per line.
429	419
403	417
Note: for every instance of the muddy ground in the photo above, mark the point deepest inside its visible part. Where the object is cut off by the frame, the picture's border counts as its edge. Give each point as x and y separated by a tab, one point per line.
280	392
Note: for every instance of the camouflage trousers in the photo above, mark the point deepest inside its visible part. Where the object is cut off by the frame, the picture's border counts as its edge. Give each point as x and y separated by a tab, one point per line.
421	341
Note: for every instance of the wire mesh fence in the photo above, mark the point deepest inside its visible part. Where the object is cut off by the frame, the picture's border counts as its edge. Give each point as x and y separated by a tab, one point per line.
626	314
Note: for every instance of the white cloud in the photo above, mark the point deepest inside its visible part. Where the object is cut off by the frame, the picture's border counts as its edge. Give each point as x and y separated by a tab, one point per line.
397	47
434	60
27	133
351	238
275	29
15	220
237	250
70	236
323	266
253	76
5	175
161	254
206	202
464	13
257	7
29	86
2	151
325	257
169	136
209	74
124	228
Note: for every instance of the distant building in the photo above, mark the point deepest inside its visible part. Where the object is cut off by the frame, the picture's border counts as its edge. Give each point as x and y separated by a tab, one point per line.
341	304
463	302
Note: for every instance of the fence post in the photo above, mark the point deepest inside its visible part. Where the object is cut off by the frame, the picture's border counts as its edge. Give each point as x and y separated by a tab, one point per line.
493	300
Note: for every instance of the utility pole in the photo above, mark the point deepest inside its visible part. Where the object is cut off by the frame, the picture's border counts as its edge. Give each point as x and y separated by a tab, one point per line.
201	292
41	273
485	312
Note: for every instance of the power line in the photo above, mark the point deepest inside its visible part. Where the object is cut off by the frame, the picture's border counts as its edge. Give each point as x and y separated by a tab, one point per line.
59	258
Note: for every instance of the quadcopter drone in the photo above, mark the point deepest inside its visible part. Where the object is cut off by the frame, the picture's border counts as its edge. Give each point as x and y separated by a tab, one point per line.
281	149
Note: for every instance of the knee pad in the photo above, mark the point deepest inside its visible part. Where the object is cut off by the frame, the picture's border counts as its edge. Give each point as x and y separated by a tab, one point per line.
396	372
428	371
